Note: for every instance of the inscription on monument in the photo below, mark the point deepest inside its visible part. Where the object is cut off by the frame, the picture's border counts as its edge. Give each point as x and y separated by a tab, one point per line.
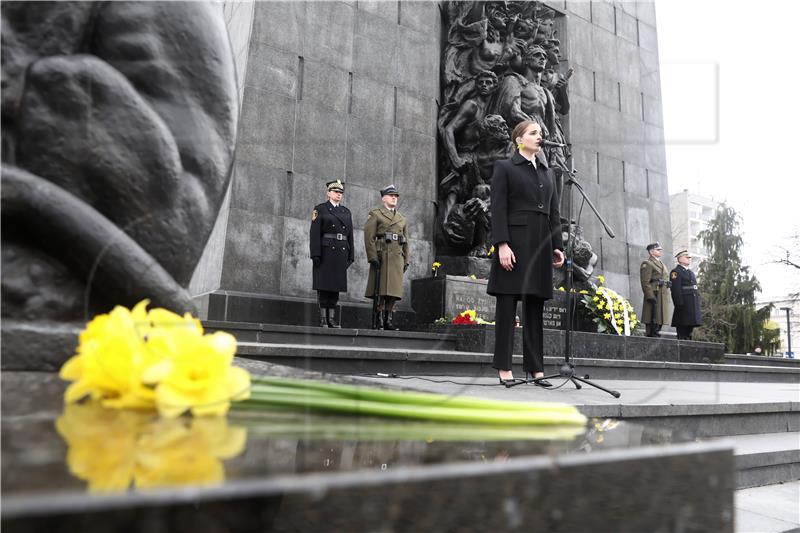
433	298
554	315
463	295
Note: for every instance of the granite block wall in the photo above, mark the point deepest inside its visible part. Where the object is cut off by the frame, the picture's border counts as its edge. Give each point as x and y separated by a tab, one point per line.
617	132
349	90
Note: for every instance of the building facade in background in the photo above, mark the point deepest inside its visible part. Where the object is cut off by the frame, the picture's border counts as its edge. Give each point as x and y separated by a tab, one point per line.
778	316
691	214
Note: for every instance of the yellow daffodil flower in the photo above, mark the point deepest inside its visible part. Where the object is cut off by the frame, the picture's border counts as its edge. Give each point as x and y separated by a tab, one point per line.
197	374
584	291
155	359
601	279
111	359
607	316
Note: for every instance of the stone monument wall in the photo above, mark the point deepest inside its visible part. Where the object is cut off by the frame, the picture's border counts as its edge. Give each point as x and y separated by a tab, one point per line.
350	90
331	89
617	132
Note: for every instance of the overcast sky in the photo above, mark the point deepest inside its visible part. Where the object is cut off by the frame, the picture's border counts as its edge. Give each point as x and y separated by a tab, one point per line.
729	77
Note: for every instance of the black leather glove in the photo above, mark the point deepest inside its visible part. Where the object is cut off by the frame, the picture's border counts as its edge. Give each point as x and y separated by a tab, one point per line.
317	260
405	267
375	262
651	300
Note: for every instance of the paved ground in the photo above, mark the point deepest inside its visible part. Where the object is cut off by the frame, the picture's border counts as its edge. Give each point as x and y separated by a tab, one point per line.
633	392
770	509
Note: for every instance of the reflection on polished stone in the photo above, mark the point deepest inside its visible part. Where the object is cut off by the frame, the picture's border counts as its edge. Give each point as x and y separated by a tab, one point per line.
297	472
117	450
113	449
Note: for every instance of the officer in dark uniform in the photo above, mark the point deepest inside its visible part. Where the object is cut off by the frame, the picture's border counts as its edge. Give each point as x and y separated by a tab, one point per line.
685	297
331	243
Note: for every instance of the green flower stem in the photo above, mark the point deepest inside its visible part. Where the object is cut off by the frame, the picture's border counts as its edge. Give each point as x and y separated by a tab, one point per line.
407	397
417	411
375	430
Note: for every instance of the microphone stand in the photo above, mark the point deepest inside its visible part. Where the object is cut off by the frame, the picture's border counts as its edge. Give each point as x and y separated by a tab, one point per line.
567	369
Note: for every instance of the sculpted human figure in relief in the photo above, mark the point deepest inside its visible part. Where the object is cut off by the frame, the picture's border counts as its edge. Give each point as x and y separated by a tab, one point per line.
119	123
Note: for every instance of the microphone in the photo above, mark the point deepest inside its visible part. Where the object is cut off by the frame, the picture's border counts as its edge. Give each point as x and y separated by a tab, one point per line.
552	144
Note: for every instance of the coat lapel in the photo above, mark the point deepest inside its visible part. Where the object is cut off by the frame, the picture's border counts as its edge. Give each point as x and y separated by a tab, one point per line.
388	214
340	213
658	264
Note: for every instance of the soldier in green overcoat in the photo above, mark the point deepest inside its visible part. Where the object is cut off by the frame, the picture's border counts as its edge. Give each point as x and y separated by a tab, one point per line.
655	285
386	242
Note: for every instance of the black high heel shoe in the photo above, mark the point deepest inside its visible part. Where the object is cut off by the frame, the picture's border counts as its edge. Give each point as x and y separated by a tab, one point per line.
539	382
508	382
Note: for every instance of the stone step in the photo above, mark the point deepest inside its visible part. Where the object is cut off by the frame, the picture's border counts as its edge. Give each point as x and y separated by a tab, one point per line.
760	360
703	421
404	361
766	459
481	338
342	337
668	411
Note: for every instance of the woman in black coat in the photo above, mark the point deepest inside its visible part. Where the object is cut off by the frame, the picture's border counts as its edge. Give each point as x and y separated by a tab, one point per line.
331	245
526	231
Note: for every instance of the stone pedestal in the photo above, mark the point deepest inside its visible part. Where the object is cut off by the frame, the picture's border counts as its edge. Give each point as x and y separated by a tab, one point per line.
459	265
448	296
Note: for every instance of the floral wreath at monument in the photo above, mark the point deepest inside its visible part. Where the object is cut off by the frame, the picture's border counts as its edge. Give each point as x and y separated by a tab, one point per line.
608	309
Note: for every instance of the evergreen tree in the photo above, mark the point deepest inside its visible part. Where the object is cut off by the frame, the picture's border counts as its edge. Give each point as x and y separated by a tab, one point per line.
728	290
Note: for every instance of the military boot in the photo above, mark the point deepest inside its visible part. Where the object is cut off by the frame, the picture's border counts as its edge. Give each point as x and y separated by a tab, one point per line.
388	324
323	317
377	320
332	323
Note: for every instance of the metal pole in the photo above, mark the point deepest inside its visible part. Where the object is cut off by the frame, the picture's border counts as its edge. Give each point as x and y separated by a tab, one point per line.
788	331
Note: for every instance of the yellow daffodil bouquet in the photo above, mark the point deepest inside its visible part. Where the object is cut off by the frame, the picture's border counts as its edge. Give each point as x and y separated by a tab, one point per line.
159	361
155	359
610	311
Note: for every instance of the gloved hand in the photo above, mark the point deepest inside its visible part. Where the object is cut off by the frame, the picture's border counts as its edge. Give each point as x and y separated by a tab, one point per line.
405	267
317	260
651	300
375	262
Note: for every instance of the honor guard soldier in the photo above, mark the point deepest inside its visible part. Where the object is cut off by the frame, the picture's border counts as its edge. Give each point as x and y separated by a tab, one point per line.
685	297
331	243
386	242
655	282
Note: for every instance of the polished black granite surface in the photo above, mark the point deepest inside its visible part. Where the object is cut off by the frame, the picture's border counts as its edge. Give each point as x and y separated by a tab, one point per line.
89	469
